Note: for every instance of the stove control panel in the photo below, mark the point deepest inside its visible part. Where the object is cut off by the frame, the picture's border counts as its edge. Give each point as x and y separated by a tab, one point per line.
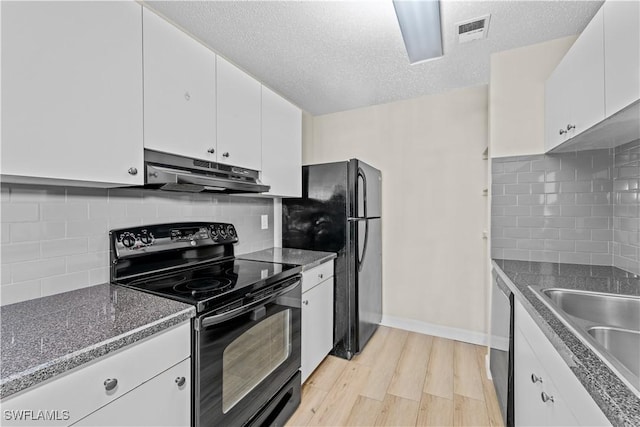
162	237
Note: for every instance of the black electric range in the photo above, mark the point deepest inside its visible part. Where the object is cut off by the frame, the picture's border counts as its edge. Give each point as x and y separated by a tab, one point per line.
242	307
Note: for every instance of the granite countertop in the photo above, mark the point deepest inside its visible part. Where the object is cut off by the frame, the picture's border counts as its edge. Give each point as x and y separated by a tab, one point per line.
47	336
615	399
306	259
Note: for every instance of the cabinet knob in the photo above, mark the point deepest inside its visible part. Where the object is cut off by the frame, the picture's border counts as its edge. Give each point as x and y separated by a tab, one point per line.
133	171
305	302
187	96
320	276
110	384
536	379
562	131
546	398
225	154
569	127
180	381
211	150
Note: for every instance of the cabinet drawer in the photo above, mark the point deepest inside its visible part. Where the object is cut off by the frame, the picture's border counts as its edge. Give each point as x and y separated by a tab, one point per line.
316	275
82	390
158	402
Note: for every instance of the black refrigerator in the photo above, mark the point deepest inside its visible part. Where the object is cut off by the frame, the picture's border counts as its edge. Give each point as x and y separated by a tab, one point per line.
340	211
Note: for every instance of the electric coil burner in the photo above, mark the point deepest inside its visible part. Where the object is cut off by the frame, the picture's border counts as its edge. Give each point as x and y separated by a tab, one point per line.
246	334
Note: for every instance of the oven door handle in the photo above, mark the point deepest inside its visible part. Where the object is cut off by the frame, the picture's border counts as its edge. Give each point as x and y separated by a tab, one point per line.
219	318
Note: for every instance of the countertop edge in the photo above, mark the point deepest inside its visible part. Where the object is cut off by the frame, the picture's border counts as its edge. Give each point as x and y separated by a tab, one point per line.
305	258
608	404
32	377
327	258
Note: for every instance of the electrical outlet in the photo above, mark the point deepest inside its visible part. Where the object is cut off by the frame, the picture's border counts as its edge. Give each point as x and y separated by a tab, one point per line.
265	221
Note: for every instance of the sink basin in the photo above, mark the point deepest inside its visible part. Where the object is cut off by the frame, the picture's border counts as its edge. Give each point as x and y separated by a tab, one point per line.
603	309
623	344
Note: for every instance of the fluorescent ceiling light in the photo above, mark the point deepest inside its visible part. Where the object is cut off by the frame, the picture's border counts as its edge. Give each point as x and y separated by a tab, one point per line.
420	26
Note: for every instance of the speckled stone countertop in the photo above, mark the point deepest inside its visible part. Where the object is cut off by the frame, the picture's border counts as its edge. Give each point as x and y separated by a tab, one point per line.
47	336
615	399
307	259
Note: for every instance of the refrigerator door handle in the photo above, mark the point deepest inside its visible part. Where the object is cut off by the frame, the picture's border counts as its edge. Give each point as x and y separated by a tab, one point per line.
366	241
362	175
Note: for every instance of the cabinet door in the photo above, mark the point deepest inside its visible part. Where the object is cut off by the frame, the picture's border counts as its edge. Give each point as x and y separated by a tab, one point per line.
179	91
585	74
621	54
72	91
281	145
556	108
238	113
317	326
527	399
532	382
164	400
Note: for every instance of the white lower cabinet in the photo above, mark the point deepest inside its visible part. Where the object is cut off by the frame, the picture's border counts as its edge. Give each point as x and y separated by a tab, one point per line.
133	373
317	317
162	401
547	393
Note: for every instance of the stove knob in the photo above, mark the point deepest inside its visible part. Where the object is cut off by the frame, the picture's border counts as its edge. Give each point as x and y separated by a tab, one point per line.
146	237
222	232
231	232
128	240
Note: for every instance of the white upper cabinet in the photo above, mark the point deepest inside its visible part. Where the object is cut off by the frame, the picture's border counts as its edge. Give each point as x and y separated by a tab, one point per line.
621	54
179	91
72	92
281	145
575	91
238	112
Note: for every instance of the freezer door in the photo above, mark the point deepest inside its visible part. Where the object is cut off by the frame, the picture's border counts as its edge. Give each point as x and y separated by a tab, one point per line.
368	278
367	180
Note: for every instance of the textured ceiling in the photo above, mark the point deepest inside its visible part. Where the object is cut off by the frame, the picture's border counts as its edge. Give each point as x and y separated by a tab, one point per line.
329	56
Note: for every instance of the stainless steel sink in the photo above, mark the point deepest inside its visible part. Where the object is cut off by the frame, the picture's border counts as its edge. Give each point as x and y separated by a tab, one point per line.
607	323
623	344
604	309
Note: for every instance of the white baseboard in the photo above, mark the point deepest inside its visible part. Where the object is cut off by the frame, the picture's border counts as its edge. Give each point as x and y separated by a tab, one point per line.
478	338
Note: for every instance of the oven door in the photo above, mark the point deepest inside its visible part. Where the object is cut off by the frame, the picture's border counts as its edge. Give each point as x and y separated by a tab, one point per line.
244	357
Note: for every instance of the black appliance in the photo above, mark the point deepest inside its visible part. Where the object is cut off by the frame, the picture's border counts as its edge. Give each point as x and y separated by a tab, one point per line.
501	362
340	211
246	334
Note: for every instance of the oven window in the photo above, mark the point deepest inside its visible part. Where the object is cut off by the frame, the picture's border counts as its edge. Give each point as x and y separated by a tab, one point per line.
254	355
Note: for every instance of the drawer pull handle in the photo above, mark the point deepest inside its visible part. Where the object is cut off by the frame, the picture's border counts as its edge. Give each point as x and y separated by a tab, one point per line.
536	379
110	384
546	398
180	381
570	126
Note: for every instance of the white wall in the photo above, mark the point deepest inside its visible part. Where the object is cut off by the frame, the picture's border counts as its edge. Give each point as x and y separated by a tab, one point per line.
429	150
516	96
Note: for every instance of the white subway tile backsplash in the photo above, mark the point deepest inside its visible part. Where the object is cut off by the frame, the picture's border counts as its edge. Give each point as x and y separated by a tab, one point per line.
17	252
17	292
96	227
87	261
20	212
36	231
590	213
56	238
63	247
24	271
64	283
5	236
99	275
5	274
64	212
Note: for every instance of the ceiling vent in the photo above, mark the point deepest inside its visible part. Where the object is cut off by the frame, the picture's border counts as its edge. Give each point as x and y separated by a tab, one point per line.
473	29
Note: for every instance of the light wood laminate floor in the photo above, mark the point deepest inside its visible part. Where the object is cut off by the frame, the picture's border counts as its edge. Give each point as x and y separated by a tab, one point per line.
401	379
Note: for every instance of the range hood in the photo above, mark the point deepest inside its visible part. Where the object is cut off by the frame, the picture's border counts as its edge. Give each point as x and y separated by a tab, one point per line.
172	172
